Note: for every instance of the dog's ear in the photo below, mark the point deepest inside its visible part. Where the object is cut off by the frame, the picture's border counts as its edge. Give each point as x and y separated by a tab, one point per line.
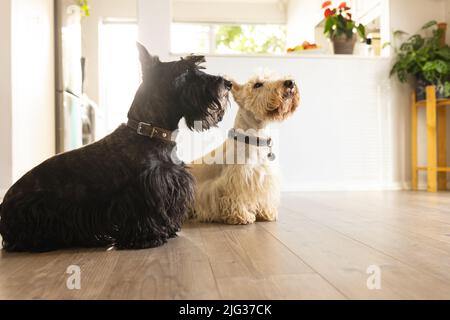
147	61
236	90
195	60
236	86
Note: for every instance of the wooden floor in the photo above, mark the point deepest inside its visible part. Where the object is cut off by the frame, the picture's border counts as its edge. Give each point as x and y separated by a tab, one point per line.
320	249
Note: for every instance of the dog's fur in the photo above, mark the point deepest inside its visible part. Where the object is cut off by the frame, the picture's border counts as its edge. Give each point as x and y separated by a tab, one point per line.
245	191
125	190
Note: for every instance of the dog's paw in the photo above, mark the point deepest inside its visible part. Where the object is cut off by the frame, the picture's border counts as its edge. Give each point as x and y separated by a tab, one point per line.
240	219
268	215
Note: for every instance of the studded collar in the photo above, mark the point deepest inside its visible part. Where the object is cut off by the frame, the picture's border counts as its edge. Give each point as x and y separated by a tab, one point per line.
253	140
151	131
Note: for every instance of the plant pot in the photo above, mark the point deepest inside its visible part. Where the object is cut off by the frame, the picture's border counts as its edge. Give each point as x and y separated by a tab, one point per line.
443	27
344	45
421	87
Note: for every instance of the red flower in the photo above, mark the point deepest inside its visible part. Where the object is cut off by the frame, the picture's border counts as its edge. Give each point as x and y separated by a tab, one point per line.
343	5
326	4
328	13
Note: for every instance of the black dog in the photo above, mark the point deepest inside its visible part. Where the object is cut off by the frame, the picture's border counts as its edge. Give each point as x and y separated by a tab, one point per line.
127	189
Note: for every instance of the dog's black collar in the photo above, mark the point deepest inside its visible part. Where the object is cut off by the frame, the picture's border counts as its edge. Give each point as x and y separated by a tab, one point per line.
148	130
252	140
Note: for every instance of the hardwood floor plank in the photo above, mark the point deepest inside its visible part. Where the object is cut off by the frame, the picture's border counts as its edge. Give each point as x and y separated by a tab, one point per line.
344	262
408	246
178	270
400	210
308	286
249	263
43	276
320	249
249	251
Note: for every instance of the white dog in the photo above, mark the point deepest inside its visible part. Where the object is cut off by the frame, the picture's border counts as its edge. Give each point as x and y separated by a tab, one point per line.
240	186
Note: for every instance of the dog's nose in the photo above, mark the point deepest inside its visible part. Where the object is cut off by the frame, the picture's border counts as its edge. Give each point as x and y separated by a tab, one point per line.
228	84
289	84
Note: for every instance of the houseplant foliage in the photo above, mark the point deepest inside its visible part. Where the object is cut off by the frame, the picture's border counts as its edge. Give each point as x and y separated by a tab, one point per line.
340	27
84	6
423	57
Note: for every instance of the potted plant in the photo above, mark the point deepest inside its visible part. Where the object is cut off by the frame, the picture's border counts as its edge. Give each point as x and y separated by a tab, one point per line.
425	58
340	28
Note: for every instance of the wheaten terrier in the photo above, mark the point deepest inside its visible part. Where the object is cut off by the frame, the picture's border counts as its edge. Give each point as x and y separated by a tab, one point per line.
235	184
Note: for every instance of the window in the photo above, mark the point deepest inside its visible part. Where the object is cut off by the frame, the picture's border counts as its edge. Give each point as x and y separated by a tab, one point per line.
119	71
228	38
190	38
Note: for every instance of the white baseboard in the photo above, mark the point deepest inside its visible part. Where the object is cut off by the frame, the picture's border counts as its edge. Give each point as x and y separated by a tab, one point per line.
423	186
319	187
324	187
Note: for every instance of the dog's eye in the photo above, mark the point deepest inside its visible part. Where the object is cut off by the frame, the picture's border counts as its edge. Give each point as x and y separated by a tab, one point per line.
257	85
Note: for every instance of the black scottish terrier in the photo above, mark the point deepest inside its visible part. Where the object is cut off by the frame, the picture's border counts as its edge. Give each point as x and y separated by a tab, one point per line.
126	190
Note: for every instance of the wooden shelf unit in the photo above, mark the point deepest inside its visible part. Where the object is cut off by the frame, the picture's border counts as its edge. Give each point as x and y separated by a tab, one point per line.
436	122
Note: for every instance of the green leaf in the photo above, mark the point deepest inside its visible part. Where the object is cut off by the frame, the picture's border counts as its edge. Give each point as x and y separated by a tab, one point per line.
429	24
447	89
329	23
400	33
417	41
350	25
444	53
361	31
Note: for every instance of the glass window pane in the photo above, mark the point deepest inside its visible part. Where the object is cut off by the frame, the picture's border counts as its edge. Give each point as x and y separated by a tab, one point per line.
250	39
228	38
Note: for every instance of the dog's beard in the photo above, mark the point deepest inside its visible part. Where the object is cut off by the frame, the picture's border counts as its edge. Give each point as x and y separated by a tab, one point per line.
213	117
283	106
205	118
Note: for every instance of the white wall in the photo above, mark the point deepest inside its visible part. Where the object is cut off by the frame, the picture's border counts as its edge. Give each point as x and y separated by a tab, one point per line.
341	138
155	18
353	128
5	98
411	15
33	84
302	18
28	129
100	9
